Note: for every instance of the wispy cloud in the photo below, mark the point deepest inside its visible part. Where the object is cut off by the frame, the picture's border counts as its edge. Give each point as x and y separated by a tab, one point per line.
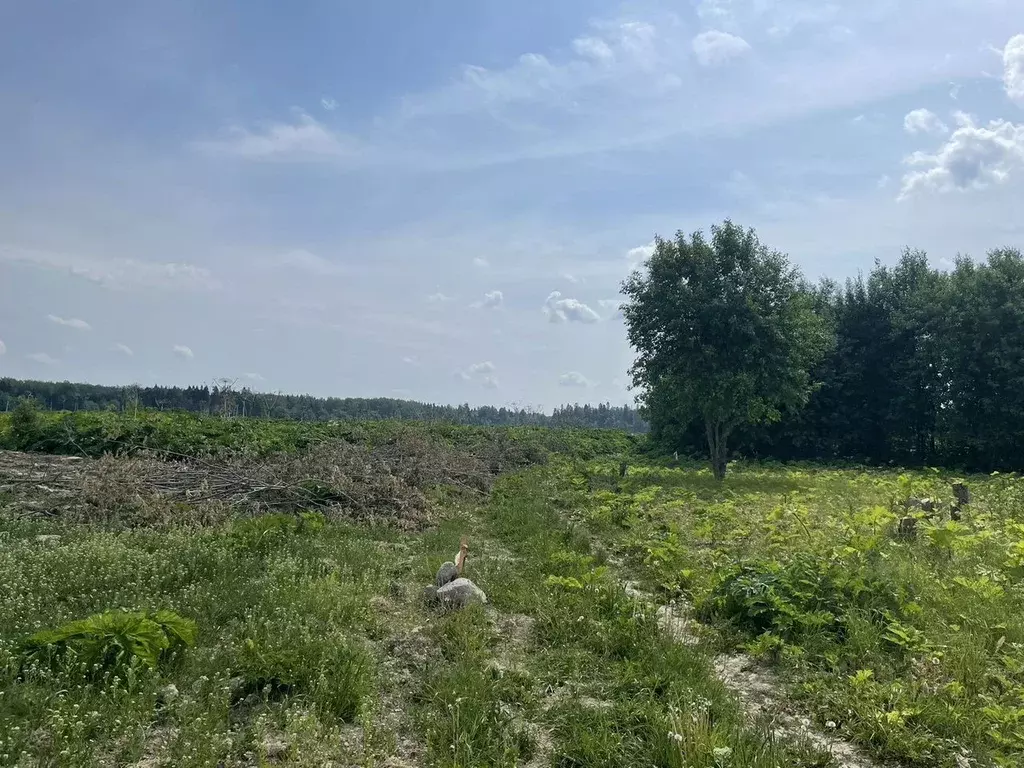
1013	68
124	349
115	274
438	298
252	376
574	379
481	262
3	347
302	260
70	322
328	103
183	352
305	138
42	358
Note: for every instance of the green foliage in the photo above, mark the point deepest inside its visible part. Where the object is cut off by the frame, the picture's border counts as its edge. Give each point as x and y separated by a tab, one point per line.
334	671
113	643
25	424
724	334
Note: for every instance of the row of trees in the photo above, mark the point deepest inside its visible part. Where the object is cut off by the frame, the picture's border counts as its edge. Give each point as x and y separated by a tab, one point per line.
910	365
225	399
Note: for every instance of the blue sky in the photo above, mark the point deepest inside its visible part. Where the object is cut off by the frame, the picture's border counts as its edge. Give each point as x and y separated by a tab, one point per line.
439	199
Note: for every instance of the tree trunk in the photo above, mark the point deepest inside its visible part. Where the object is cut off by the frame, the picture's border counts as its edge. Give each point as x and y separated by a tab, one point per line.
717	434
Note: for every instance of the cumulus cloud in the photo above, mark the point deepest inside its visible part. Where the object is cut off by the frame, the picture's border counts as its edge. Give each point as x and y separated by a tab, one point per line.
974	157
491	300
70	322
574	379
115	274
640	253
561	310
183	352
252	376
923	121
303	139
124	349
42	358
715	48
484	373
1013	68
593	48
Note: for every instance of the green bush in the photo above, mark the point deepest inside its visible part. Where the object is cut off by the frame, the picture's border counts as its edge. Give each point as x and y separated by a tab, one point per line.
113	643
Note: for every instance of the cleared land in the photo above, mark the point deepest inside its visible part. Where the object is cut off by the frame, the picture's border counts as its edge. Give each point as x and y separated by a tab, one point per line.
657	618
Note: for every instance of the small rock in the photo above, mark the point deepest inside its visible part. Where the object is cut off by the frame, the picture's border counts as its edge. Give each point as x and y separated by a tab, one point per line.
446	574
48	538
925	505
907	528
461	593
236	689
430	595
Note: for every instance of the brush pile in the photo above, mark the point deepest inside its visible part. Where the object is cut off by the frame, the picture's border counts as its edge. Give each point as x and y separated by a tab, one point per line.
386	483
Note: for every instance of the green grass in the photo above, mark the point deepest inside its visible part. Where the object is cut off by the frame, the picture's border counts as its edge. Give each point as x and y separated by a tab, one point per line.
312	645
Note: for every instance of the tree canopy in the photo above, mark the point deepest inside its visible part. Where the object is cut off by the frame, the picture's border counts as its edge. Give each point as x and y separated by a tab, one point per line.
724	333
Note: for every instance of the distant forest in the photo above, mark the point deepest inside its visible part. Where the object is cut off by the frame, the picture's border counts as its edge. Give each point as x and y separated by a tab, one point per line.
225	399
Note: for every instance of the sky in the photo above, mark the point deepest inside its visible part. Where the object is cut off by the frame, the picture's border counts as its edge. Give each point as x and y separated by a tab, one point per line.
439	200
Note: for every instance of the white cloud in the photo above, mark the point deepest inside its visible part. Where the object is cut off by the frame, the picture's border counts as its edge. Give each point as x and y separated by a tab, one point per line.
1013	68
485	367
481	262
438	298
491	300
593	48
484	373
303	139
560	310
116	274
954	91
183	352
574	379
715	48
42	358
3	347
974	157
883	181
254	377
124	349
310	263
923	121
409	360
70	322
328	103
640	253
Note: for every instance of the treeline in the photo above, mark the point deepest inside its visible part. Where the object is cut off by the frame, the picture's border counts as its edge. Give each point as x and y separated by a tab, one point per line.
227	401
927	369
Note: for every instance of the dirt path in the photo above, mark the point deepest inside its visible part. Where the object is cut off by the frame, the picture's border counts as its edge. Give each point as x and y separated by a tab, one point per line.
757	688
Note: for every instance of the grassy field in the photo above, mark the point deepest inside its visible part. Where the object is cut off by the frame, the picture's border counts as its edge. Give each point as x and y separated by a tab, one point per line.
313	647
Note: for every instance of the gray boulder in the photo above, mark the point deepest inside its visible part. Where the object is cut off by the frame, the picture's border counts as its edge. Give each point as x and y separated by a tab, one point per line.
446	574
461	593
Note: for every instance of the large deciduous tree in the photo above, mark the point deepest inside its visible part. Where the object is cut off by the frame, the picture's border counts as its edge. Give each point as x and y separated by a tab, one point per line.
724	333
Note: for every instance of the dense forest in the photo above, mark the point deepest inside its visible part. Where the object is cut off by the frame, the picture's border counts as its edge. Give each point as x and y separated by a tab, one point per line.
926	367
224	399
